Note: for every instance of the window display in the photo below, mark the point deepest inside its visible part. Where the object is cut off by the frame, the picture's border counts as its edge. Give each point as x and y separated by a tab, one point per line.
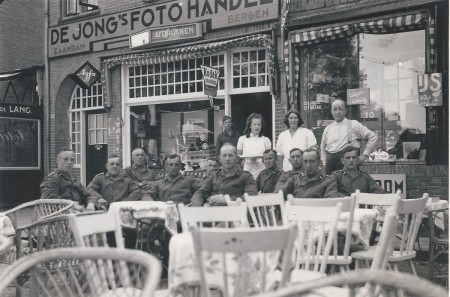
386	64
185	128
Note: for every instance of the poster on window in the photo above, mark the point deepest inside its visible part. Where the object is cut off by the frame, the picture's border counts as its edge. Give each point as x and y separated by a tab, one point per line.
19	143
430	89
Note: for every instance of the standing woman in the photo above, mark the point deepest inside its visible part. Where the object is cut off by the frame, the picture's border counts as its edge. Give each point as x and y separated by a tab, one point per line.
253	143
294	137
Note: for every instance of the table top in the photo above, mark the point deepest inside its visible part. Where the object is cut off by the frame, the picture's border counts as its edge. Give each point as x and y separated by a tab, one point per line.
436	204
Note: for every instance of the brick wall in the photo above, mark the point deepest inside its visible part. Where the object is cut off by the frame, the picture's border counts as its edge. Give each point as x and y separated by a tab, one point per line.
21	34
419	178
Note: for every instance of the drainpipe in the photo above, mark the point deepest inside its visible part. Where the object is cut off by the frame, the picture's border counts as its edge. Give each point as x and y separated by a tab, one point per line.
47	166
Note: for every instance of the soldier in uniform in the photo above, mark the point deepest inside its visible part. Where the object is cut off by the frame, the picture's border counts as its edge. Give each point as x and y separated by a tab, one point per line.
140	173
60	184
268	178
311	183
295	158
350	178
111	186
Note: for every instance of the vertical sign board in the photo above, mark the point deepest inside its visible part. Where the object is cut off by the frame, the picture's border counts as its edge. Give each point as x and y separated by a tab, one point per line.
430	89
210	80
391	183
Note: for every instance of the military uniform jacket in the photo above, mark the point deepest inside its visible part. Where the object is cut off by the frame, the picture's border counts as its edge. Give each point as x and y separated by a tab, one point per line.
235	185
348	184
61	185
284	178
318	186
139	174
267	180
113	189
178	190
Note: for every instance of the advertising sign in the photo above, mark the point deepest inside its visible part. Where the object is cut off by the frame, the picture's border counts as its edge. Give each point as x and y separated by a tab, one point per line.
430	89
86	75
391	183
210	80
20	111
358	96
166	35
77	37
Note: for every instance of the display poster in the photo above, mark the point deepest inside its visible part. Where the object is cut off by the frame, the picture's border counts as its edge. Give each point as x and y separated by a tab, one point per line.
19	143
430	89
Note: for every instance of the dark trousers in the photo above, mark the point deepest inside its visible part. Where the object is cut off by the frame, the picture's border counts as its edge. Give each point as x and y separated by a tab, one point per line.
334	162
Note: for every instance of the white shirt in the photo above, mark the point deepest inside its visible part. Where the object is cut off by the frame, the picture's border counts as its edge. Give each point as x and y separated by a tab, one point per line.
303	139
337	136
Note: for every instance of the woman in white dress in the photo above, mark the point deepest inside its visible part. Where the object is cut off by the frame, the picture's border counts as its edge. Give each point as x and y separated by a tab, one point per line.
294	137
253	143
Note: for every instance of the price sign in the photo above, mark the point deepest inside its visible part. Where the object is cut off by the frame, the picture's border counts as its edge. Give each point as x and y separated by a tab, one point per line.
369	112
430	89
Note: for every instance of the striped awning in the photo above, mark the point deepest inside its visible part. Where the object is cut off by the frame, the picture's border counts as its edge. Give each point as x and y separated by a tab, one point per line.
187	52
296	39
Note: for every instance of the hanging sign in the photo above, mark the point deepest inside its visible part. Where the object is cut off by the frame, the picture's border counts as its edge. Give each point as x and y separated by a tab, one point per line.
430	89
358	96
86	75
210	80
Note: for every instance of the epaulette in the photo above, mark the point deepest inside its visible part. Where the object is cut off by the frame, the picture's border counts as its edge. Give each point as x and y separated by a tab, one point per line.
52	173
101	173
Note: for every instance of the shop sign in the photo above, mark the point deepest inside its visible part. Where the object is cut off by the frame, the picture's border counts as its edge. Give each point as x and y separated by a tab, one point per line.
430	89
86	75
77	37
391	183
358	96
210	80
166	35
20	111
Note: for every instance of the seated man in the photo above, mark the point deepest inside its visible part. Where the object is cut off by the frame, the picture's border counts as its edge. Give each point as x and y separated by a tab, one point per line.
295	158
229	179
174	186
311	183
140	173
268	178
111	186
60	184
350	178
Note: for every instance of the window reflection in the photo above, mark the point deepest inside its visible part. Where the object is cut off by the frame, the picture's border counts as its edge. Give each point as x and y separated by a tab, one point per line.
387	64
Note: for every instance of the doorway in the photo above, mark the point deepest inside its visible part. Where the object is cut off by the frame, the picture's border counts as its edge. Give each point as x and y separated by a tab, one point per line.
243	105
96	144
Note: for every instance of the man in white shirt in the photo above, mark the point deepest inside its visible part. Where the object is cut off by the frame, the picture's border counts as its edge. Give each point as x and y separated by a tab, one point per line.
342	133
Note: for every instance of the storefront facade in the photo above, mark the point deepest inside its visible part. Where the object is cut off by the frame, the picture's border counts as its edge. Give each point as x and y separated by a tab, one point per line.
149	92
380	51
21	101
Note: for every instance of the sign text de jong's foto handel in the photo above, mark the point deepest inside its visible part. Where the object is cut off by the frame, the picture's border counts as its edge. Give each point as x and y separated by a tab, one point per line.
76	37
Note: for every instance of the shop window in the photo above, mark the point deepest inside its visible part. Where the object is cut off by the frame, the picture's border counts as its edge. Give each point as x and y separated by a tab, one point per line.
171	78
83	100
387	64
188	129
76	7
249	69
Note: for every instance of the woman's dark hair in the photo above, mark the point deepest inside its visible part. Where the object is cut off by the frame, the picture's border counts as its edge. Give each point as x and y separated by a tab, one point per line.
286	118
249	122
